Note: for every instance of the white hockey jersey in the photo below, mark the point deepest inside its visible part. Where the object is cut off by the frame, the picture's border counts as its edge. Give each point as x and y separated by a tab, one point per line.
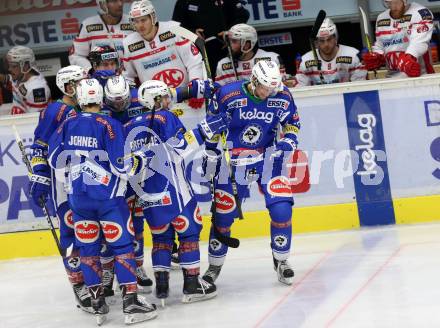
168	58
225	73
410	34
31	96
94	32
345	67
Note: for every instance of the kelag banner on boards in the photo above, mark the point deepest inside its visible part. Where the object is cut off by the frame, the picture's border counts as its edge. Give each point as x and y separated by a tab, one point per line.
365	146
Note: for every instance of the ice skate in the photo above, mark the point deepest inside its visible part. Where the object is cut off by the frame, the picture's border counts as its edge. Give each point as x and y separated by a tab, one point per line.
196	289
100	307
212	273
162	285
136	308
175	263
145	284
82	297
284	271
107	284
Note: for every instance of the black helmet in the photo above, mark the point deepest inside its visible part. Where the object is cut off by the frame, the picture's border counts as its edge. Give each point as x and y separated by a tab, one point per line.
100	53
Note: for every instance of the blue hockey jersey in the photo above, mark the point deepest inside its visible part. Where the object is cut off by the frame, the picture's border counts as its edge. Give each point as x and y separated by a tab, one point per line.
49	120
90	148
162	187
254	122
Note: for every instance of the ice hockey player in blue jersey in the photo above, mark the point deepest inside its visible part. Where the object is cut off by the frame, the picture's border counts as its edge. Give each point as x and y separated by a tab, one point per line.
90	148
50	119
105	63
121	99
122	104
164	196
256	109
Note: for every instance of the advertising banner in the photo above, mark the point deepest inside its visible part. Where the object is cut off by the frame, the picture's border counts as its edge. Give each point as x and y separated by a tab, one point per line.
45	26
364	142
51	25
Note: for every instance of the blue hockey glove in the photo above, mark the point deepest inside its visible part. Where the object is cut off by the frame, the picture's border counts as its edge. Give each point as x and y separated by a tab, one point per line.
211	162
284	146
103	75
212	125
201	89
39	188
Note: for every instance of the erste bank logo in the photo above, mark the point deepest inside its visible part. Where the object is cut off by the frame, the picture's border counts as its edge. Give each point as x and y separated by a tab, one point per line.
291	8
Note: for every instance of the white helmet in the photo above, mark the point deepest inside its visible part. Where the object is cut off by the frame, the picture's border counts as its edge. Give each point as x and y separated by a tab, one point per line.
327	29
143	8
89	92
387	5
102	6
70	75
266	73
117	93
22	55
152	91
244	33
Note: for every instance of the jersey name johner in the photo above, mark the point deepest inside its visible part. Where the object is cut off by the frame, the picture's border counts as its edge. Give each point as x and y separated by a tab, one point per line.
256	115
83	141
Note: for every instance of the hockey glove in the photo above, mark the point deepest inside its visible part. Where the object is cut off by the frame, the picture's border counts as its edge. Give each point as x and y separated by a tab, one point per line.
283	146
408	64
39	187
211	161
201	88
103	75
196	103
373	60
213	125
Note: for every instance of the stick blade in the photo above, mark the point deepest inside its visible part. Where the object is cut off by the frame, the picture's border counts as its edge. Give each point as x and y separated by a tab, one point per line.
184	33
187	34
318	22
364	20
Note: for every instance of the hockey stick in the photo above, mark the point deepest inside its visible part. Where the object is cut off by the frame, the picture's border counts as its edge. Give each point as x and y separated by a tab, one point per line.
231	58
200	44
226	40
42	203
365	25
318	22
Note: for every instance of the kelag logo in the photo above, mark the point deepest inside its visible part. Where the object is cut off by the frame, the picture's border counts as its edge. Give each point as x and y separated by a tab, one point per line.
367	142
432	113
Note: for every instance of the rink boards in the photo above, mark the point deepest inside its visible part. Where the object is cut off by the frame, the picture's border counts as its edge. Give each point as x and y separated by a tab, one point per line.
373	158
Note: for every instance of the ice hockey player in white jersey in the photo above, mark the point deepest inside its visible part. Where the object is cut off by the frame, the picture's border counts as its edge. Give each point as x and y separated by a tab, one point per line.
338	63
245	52
153	52
403	33
29	88
108	28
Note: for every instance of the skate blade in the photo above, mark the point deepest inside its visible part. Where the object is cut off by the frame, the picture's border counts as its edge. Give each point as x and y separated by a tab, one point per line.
198	298
139	317
100	319
286	281
86	309
144	289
